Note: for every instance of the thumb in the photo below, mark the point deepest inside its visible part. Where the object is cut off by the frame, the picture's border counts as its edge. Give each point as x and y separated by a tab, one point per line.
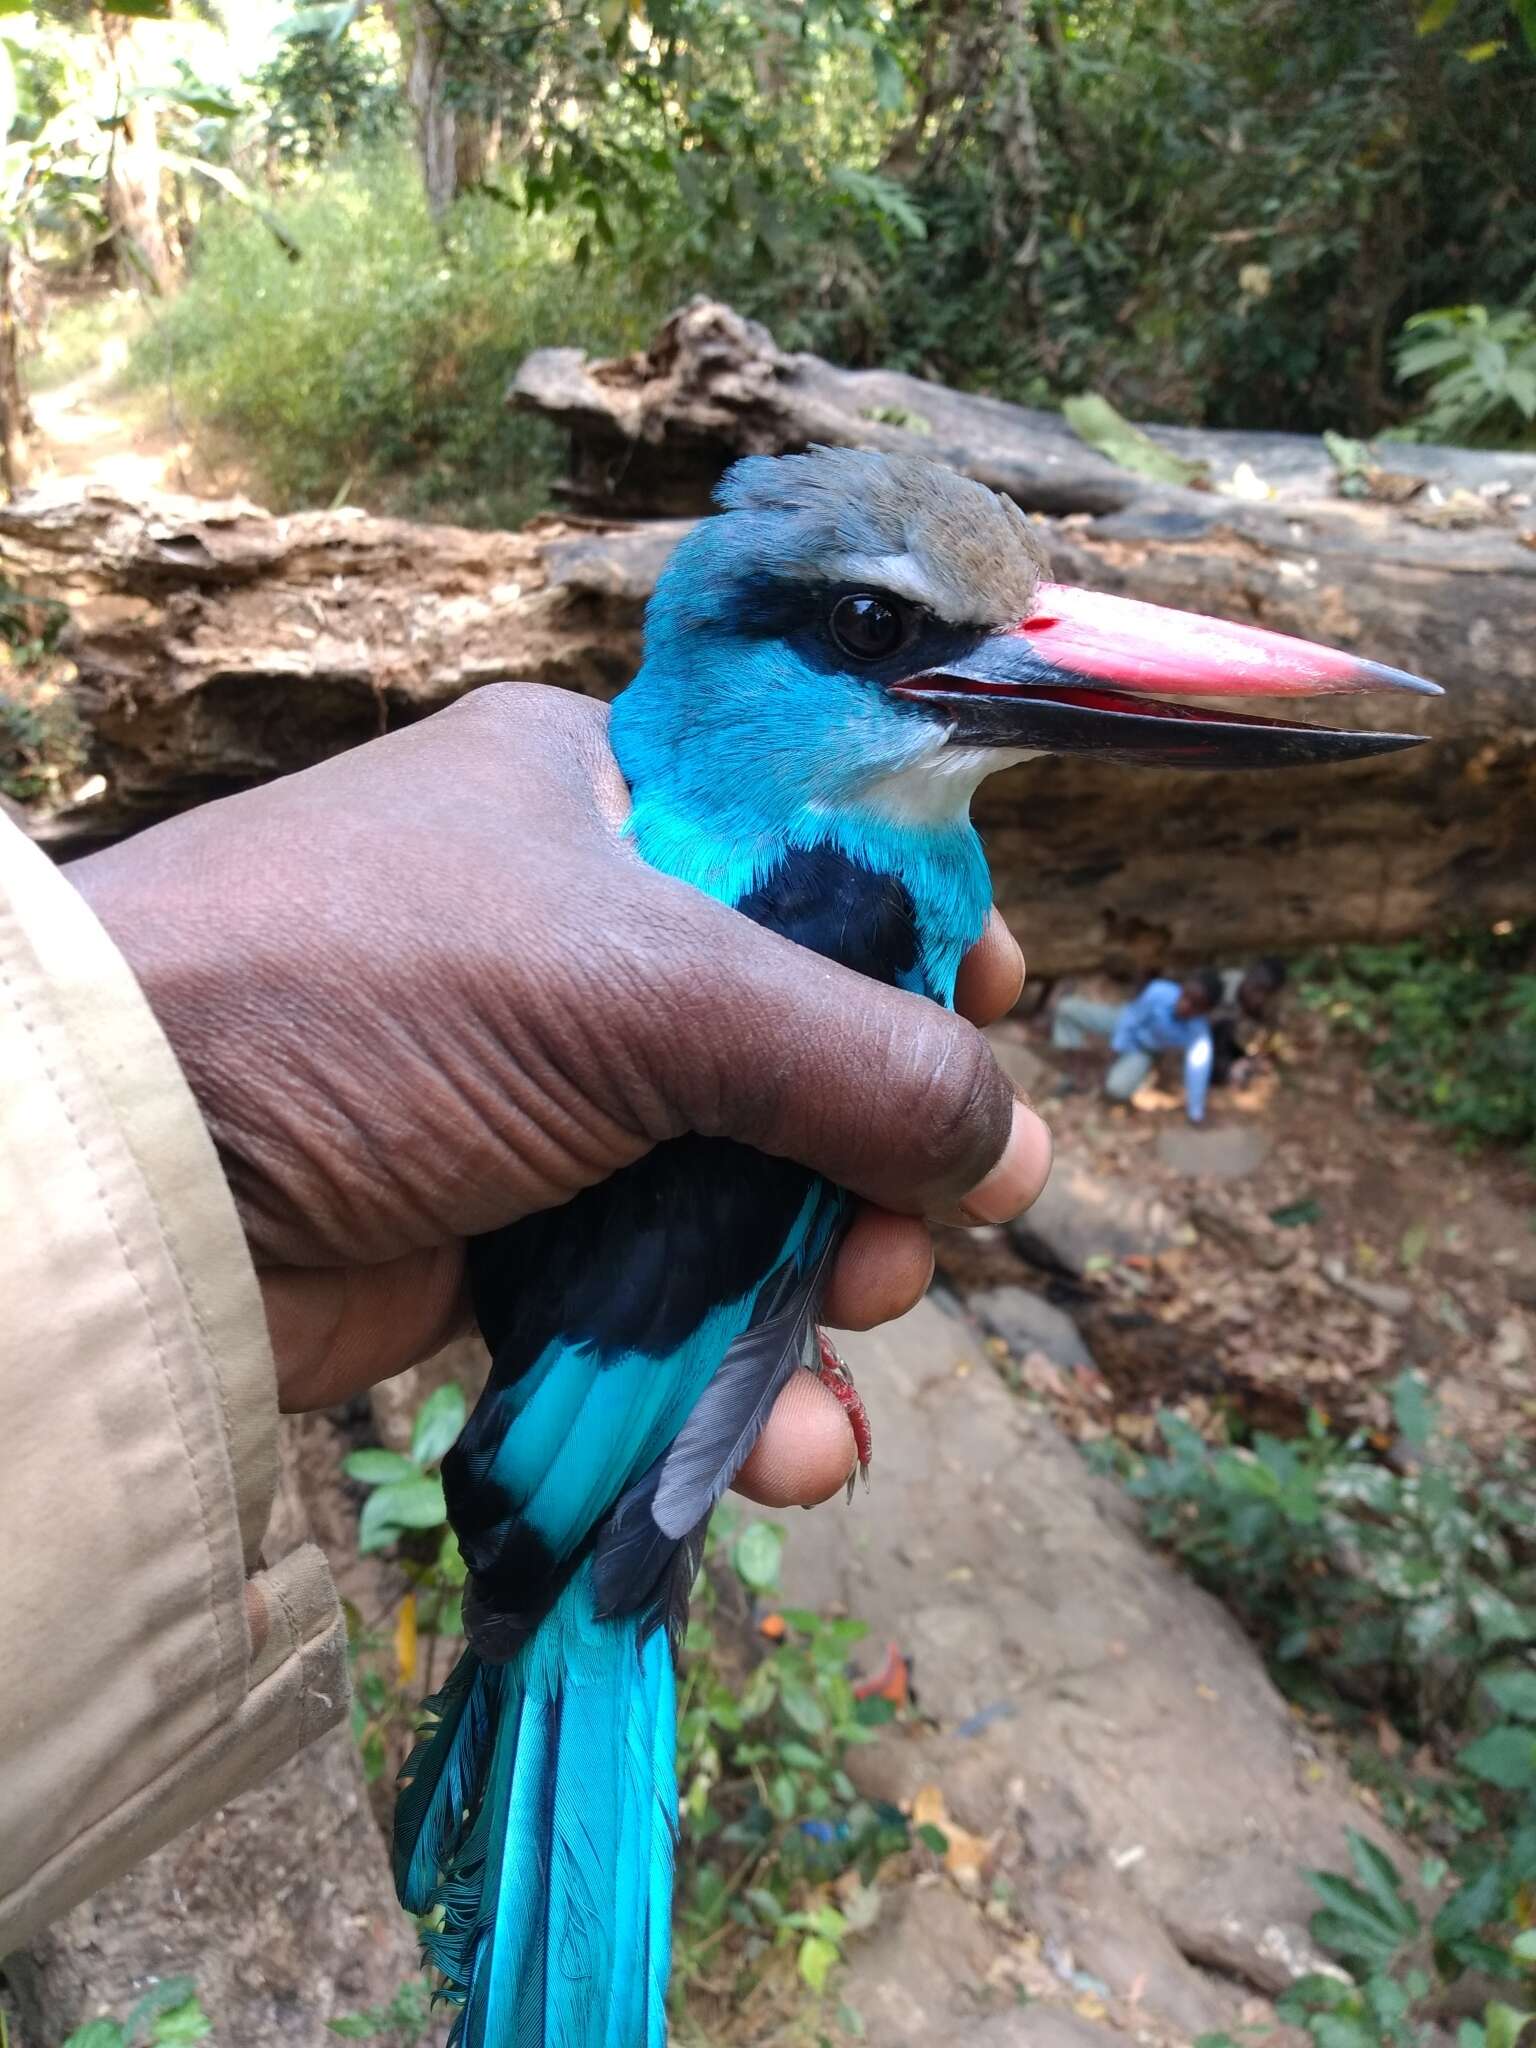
884	1092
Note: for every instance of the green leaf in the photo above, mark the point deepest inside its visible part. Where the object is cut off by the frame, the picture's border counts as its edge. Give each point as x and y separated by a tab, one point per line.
1524	12
163	1997
815	1960
1434	16
1497	1618
1094	420
355	2026
146	10
377	1468
97	2034
782	1798
1513	1691
1290	1215
1505	1757
756	1555
1503	2025
181	2025
1412	1409
1349	457
1382	1882
933	1838
1523	1947
438	1422
407	1504
890	80
803	1707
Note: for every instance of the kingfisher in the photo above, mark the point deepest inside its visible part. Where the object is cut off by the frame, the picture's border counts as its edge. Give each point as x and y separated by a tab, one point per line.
831	666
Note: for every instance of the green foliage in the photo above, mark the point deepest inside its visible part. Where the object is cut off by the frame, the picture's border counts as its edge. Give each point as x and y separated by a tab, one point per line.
43	746
402	2023
1387	1586
169	2015
406	1491
1409	1588
1482	372
325	89
379	362
770	1814
1451	1025
405	1507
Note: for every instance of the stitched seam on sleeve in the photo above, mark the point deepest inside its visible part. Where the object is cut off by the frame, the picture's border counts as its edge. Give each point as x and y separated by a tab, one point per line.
150	1319
295	1636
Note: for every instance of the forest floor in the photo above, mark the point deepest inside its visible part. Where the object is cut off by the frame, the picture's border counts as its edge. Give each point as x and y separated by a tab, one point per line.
1354	1243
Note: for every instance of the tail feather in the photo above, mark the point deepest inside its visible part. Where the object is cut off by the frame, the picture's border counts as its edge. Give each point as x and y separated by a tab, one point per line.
542	1806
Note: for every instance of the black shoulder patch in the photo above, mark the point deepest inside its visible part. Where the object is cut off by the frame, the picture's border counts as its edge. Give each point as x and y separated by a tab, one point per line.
822	899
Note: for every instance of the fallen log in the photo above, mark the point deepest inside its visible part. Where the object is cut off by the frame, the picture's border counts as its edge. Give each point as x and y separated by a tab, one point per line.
651	432
216	645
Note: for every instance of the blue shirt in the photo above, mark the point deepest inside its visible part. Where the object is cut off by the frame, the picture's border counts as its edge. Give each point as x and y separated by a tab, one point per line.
1149	1025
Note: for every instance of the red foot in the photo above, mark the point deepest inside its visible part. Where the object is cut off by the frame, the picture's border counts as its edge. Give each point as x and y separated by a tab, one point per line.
837	1379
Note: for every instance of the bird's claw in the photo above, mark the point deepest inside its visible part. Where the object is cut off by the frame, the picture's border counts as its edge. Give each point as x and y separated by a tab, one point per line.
838	1380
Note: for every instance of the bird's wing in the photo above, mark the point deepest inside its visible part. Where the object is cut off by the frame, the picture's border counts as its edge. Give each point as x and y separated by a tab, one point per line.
672	1501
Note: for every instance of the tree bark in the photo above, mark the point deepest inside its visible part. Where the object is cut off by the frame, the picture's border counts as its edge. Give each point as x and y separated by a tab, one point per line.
217	646
15	414
455	143
147	248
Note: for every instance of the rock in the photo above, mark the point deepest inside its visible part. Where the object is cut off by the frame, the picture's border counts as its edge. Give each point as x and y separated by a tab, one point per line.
1264	1246
1085	1217
1382	1295
1036	2026
1154	1802
1027	1322
1214	1152
1031	1075
279	1907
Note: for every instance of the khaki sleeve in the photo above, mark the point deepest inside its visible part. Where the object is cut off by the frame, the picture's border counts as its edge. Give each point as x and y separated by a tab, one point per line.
138	1458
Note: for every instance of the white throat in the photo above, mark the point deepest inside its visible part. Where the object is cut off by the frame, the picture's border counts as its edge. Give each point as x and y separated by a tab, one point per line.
937	789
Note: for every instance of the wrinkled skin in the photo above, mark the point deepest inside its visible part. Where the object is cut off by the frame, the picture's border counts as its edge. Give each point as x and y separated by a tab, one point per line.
427	987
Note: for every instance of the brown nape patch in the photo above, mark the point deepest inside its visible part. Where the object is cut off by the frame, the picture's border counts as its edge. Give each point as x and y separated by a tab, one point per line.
911	525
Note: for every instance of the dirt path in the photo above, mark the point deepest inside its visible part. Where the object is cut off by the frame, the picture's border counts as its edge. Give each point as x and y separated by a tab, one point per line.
97	429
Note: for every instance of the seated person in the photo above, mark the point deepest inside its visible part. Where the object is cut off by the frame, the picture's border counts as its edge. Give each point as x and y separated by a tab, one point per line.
1165	1017
1239	1019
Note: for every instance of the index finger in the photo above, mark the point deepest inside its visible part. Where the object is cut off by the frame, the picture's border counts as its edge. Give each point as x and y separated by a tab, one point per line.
991	977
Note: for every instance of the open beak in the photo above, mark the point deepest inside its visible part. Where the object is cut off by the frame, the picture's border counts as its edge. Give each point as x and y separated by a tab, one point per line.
1089	673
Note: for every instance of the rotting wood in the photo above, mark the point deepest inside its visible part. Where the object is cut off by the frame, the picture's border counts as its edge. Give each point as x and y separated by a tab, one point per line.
217	645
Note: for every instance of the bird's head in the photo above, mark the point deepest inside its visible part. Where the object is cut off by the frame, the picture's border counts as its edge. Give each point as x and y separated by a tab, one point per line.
870	635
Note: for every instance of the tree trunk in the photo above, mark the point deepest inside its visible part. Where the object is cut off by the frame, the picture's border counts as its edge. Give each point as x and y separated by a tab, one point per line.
15	415
147	248
217	646
454	142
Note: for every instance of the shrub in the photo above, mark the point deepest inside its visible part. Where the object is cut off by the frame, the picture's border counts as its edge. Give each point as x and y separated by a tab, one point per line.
1451	1026
1482	372
377	361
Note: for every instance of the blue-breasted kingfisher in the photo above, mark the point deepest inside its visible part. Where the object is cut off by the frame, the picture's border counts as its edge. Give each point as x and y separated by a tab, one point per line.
831	666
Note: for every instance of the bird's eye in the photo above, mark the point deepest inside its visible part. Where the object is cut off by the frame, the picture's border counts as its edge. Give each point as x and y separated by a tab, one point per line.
867	627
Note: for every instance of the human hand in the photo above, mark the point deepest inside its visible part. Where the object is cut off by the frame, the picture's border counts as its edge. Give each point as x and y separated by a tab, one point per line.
425	988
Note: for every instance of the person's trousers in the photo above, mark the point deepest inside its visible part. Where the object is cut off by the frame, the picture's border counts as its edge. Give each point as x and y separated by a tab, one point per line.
1079	1020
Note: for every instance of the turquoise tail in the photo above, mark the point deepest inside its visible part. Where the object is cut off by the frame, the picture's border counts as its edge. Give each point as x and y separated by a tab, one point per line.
537	1827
